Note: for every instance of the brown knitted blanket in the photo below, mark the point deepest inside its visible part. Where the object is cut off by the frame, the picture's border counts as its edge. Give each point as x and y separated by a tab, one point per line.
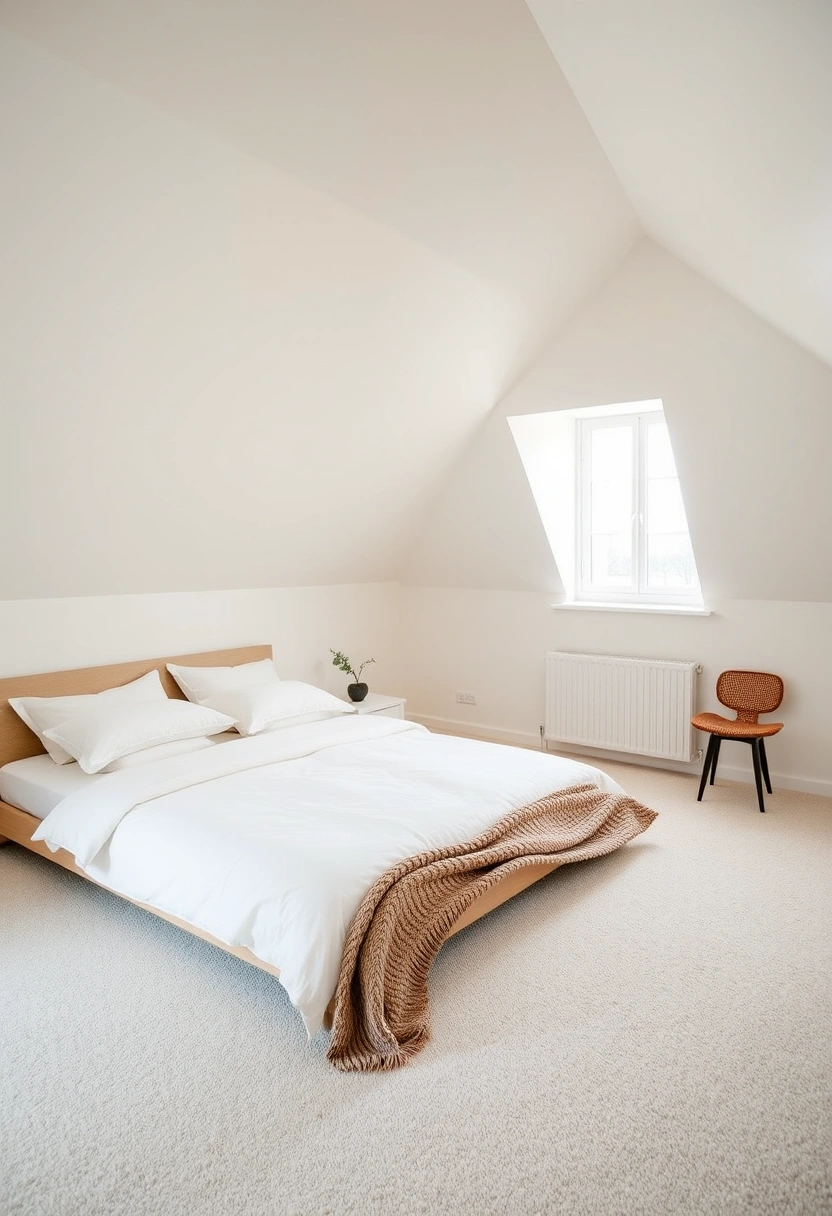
381	1002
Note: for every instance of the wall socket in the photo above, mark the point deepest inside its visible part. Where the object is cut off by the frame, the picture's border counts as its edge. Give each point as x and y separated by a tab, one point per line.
466	698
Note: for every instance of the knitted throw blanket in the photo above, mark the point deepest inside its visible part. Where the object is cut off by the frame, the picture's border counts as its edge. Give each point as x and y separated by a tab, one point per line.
381	1002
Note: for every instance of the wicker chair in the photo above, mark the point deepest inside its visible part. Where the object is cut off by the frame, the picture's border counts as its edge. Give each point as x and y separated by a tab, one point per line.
750	693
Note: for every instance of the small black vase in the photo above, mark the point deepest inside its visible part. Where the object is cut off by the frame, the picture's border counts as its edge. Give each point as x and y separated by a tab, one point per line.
357	692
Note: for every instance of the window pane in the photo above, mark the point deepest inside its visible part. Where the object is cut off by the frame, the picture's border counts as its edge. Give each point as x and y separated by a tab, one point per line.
612	559
660	462
670	562
611	455
627	467
611	506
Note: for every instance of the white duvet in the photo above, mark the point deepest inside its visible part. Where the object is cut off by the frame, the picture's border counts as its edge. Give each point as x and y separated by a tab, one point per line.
271	842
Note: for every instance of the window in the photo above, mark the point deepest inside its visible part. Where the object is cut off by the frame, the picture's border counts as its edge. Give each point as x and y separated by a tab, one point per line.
632	542
604	482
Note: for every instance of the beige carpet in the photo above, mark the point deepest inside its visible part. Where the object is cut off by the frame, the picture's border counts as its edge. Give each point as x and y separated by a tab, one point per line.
645	1033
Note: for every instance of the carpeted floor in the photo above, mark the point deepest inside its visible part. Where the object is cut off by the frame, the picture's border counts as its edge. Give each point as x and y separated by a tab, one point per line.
646	1033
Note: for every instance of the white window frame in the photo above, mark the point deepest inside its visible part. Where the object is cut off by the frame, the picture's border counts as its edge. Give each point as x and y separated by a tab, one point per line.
638	592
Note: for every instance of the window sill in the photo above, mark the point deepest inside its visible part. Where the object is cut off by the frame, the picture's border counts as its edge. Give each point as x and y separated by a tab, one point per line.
654	609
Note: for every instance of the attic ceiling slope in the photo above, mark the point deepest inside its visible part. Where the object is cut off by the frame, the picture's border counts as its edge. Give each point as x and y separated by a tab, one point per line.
213	375
717	118
449	120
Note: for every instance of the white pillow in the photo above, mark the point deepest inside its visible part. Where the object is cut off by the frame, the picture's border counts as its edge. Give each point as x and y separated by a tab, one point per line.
256	709
41	713
200	683
161	751
105	734
303	719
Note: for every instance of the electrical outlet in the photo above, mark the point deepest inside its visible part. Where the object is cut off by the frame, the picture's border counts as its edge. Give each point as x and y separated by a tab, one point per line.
466	698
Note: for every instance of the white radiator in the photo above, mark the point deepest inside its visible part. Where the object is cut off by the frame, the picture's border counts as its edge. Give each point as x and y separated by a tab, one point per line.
623	705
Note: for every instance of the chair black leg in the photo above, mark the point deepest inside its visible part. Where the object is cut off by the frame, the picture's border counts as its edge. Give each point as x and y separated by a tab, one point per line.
758	778
706	767
764	760
715	761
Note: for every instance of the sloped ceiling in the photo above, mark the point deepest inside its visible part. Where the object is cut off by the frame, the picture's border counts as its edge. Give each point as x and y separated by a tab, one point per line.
717	118
267	267
445	119
213	376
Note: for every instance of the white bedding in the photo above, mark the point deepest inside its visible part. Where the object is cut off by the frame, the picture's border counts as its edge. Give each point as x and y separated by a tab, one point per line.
270	842
37	784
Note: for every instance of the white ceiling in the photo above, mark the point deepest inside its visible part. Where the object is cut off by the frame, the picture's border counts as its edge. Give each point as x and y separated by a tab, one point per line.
717	118
268	266
449	121
213	375
453	123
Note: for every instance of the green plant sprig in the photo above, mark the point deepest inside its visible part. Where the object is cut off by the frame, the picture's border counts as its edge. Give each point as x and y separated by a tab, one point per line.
341	661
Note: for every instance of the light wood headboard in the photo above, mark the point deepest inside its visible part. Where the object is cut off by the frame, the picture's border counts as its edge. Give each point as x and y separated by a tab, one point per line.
17	741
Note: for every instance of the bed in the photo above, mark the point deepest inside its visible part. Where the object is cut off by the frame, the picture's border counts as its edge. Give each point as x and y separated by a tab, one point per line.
159	835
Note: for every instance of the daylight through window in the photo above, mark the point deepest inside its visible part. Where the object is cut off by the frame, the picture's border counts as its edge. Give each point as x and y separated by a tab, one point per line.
632	538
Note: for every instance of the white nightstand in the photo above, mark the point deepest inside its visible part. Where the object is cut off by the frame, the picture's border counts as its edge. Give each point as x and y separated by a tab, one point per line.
385	707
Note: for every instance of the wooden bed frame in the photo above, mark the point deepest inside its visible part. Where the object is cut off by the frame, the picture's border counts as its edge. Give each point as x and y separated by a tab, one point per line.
17	742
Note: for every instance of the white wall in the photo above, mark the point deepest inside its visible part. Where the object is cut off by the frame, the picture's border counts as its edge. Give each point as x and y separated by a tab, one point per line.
214	376
430	643
301	623
492	643
750	414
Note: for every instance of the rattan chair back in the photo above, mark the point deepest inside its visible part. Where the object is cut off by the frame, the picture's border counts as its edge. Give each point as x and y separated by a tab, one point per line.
749	693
